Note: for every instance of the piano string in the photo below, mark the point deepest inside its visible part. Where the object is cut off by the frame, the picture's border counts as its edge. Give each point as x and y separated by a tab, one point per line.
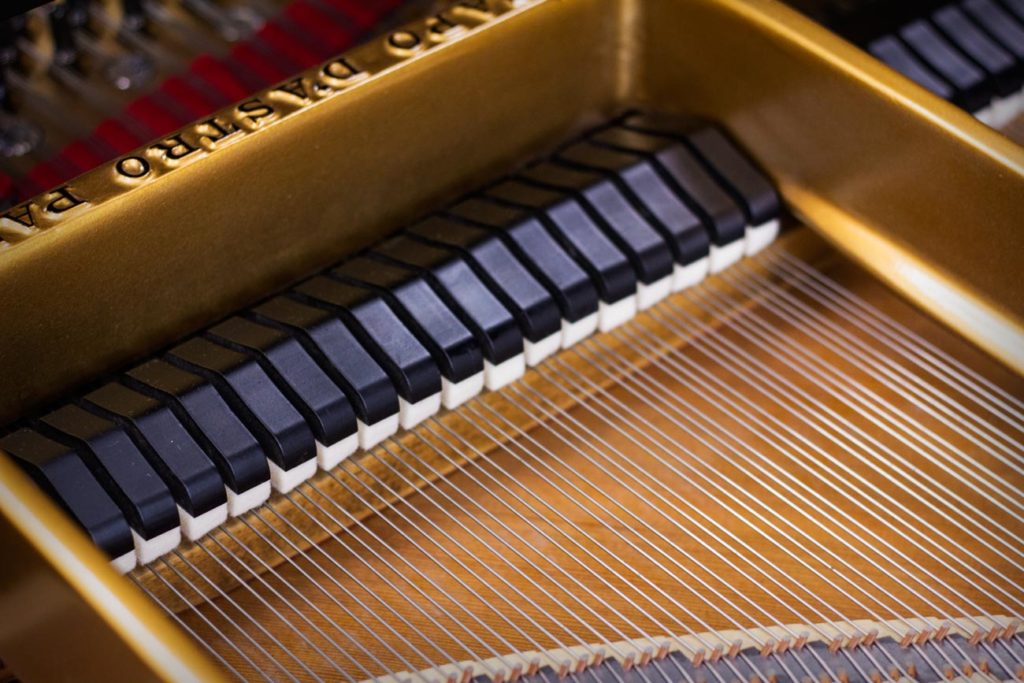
566	536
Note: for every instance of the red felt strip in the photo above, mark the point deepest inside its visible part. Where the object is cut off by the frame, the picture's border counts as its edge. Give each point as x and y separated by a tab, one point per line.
284	45
188	97
25	188
154	117
217	74
45	175
363	14
81	156
119	138
6	187
258	65
334	36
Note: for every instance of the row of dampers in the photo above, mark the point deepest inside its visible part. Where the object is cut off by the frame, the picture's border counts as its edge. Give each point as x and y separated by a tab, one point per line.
970	53
463	300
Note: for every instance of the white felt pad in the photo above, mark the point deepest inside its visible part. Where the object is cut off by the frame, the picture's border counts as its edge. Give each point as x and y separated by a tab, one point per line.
148	549
411	414
648	295
1016	101
503	373
573	333
371	435
196	527
328	457
610	316
125	563
537	351
725	256
760	236
239	503
1002	110
454	394
988	115
285	480
690	274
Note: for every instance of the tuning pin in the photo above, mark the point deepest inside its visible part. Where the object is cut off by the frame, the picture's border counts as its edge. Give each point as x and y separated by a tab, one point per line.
64	20
234	23
5	93
10	31
134	17
7	194
13	26
78	14
17	137
129	71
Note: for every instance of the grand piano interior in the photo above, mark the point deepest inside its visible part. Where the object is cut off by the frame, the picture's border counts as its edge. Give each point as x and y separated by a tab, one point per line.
600	340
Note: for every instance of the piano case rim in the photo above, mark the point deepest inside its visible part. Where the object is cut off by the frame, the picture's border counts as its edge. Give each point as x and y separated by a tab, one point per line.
624	44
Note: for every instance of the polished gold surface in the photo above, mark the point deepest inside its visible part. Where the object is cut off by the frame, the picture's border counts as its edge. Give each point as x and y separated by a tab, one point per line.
113	267
916	189
140	267
908	184
65	615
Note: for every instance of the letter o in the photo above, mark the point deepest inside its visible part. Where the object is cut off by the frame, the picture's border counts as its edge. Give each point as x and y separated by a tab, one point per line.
132	167
404	40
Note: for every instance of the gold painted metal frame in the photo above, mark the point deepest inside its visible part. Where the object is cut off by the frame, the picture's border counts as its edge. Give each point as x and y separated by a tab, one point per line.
136	253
